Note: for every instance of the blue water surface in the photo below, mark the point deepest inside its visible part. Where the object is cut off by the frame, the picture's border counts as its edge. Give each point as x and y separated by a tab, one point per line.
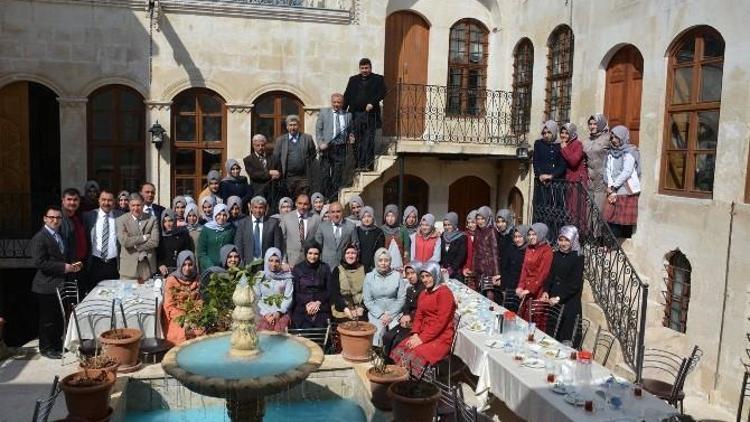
210	358
338	410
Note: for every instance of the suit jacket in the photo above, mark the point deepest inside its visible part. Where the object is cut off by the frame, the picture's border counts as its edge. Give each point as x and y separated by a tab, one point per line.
333	251
157	209
290	228
49	263
281	151
374	94
133	247
325	125
67	231
257	172
89	222
272	237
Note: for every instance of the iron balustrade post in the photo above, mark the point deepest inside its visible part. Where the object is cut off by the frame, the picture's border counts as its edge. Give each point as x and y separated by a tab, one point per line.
642	333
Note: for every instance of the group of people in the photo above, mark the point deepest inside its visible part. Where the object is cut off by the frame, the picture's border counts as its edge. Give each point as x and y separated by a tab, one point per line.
606	164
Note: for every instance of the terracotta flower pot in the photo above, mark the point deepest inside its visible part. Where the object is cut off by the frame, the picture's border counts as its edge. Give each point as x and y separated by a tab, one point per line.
122	344
413	401
87	394
111	367
356	340
379	384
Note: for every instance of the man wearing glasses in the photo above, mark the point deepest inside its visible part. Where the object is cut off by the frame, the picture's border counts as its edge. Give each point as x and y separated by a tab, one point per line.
48	252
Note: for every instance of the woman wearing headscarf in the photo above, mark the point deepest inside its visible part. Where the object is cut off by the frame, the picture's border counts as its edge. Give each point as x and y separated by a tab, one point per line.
234	184
595	149
565	282
122	201
396	238
623	183
355	207
285	205
549	165
90	199
206	206
215	234
504	228
414	287
349	276
278	284
370	237
511	264
179	203
212	188
536	267
384	294
229	257
453	247
180	288
425	243
324	213
486	253
172	240
576	172
318	201
192	222
411	219
433	326
468	271
234	206
313	290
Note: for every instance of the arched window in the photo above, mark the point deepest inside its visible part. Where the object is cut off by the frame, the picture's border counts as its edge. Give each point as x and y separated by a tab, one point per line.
416	192
559	75
199	126
270	111
696	63
677	295
515	204
523	75
115	132
467	67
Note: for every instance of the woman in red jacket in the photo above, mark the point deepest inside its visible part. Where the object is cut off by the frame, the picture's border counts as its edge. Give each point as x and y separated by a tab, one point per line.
536	267
425	243
433	326
572	153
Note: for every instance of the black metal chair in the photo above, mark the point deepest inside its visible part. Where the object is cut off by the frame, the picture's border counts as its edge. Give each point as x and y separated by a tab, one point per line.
446	405
43	407
464	412
451	366
578	337
551	315
675	367
89	346
153	348
67	297
744	390
603	346
318	335
512	302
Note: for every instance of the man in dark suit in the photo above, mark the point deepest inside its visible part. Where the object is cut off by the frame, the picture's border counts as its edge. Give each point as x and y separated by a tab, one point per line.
362	98
48	254
148	192
105	249
259	166
333	131
256	234
293	156
334	235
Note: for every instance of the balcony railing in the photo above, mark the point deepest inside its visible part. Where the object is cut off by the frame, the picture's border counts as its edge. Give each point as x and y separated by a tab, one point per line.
615	284
319	11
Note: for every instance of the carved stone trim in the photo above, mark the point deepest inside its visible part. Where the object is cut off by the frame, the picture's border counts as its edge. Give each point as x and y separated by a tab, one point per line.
157	105
72	102
240	108
312	110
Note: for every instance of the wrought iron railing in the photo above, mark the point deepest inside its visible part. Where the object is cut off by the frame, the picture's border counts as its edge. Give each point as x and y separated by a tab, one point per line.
614	282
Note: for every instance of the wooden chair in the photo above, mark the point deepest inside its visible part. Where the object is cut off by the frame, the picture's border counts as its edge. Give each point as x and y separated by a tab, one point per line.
43	407
603	346
674	367
318	335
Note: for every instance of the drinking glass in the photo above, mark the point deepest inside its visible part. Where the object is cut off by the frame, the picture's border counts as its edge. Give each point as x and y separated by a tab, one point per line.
530	330
552	370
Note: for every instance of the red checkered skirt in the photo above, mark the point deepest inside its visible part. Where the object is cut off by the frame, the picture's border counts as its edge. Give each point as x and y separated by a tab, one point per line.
624	211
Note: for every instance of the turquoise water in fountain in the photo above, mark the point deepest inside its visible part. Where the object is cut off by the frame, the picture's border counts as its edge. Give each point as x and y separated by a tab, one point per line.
210	358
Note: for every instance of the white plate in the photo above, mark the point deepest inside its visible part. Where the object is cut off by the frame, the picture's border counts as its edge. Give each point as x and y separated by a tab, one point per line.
476	327
533	363
535	348
494	344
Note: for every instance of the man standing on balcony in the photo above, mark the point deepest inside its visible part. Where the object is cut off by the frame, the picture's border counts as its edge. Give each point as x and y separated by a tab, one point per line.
362	98
332	131
293	155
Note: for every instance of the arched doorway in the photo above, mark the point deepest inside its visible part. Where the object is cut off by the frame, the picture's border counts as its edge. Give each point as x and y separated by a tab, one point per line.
29	156
270	111
622	95
466	194
515	204
407	42
416	192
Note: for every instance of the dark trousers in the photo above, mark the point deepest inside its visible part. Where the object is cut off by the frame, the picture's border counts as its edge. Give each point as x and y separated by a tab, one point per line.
98	270
365	125
334	161
50	323
297	185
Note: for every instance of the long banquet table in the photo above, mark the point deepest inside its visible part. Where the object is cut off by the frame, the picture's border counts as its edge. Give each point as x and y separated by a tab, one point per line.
525	390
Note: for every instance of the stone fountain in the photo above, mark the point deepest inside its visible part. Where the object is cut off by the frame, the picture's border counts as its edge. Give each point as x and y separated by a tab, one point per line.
243	366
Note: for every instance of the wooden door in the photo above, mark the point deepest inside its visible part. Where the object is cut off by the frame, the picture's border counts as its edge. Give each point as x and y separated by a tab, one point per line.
622	96
466	194
515	204
407	39
15	177
416	193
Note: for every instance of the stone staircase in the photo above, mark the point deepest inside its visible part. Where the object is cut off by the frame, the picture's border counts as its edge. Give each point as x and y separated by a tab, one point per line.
383	161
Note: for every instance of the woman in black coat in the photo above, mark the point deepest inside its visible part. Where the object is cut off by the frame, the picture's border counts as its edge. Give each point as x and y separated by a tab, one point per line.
511	262
370	238
549	165
453	247
565	283
314	290
234	184
172	241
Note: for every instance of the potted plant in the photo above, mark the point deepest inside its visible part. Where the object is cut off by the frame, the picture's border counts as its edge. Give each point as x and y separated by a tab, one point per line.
381	376
356	338
87	394
105	362
413	400
122	344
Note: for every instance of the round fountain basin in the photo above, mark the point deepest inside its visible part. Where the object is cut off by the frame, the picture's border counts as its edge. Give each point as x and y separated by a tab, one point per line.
211	358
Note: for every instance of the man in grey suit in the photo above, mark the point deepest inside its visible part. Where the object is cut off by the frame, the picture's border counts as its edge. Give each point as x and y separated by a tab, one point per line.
257	233
298	227
101	231
48	253
138	234
293	155
334	235
332	132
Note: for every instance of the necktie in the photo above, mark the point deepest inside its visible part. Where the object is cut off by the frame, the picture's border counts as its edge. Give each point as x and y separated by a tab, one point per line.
256	239
336	125
301	230
104	251
337	232
59	241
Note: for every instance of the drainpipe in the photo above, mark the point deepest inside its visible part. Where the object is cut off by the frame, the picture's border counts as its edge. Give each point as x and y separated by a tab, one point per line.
724	301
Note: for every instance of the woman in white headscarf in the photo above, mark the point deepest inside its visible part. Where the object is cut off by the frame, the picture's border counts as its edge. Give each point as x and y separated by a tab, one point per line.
276	283
384	295
215	234
565	283
623	183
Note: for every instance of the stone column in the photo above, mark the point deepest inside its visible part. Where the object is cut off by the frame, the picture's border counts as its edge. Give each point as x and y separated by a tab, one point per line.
239	131
73	157
158	164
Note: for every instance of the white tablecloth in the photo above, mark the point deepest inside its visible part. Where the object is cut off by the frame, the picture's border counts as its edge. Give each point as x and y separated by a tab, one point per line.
524	390
95	309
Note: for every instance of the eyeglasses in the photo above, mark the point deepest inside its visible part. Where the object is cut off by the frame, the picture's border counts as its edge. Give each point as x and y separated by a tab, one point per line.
53	217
